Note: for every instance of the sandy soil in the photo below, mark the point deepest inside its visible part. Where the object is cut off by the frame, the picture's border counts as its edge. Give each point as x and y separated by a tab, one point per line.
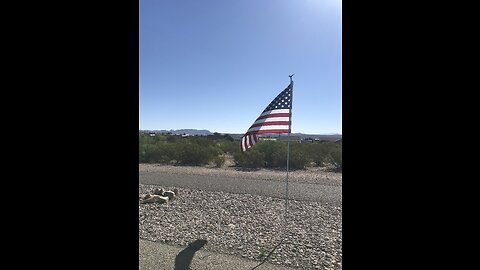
309	175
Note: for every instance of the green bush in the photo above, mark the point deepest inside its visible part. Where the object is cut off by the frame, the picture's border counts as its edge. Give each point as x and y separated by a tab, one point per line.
228	146
194	154
152	153
200	150
272	153
253	158
336	159
298	156
171	138
320	152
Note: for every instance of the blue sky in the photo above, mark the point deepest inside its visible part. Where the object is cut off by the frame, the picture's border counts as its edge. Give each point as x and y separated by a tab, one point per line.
216	64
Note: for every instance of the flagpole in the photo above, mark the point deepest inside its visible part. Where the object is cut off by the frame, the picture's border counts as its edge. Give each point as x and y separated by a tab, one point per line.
282	240
288	150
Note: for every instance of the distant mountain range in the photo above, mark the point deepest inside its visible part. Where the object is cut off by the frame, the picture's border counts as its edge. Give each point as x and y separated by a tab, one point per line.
200	132
301	136
204	132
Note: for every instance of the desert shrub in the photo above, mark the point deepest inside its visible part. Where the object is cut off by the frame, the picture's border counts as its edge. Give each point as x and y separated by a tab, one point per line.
335	158
141	150
253	158
327	153
199	140
298	156
320	152
278	158
188	153
171	138
167	152
156	153
272	152
151	153
200	150
228	146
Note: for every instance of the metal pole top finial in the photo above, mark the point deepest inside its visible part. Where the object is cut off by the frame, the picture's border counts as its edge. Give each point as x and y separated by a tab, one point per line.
291	77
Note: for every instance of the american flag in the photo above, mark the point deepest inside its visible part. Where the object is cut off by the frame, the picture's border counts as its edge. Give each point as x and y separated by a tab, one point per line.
276	118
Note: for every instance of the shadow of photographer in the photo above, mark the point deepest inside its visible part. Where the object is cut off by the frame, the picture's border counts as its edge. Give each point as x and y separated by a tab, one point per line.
184	258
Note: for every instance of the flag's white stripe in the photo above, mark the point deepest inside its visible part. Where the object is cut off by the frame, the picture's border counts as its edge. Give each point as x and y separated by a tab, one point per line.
243	144
252	140
248	141
268	128
275	111
272	119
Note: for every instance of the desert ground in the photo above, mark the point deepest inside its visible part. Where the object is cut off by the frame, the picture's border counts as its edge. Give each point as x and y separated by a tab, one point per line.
244	214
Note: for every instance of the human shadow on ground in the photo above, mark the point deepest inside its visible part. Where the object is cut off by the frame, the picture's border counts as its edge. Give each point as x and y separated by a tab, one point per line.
184	258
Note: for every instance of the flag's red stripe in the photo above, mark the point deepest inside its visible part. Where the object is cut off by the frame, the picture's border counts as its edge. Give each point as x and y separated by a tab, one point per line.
252	140
267	131
253	129
273	123
273	115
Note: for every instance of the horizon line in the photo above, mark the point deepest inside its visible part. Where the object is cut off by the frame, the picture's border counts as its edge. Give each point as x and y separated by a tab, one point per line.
328	133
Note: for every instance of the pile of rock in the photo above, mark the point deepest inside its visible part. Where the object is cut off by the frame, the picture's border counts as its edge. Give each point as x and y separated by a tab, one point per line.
160	196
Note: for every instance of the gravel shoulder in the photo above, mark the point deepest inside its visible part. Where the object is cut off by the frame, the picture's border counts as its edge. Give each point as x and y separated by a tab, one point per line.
241	218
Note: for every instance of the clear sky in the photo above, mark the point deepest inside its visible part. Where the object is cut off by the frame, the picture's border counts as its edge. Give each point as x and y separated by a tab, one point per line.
216	64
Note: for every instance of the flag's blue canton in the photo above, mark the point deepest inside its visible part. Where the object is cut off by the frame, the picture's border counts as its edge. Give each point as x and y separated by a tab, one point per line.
282	101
